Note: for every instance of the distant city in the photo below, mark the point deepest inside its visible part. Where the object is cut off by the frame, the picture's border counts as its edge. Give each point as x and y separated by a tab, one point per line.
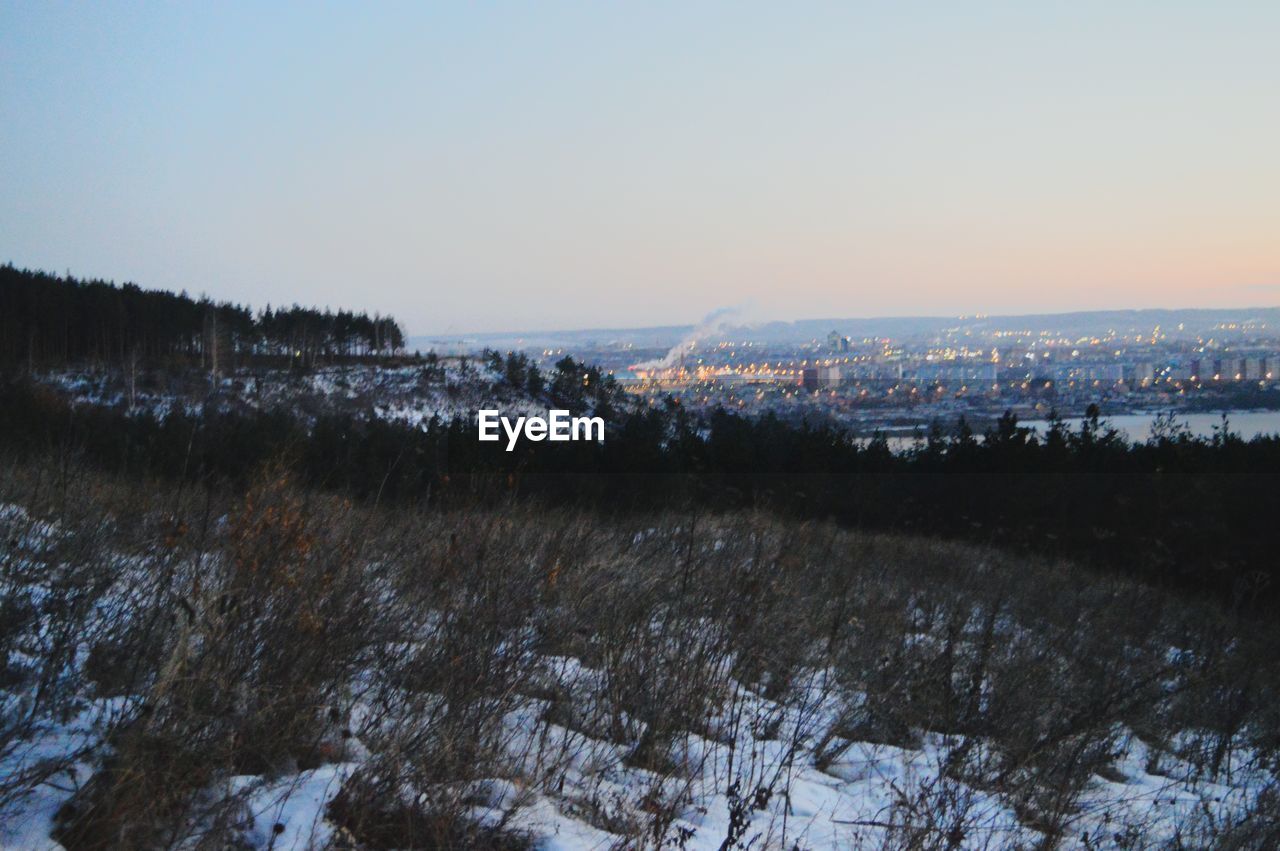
897	373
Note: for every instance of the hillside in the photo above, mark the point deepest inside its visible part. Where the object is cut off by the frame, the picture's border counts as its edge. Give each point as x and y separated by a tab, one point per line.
284	669
410	391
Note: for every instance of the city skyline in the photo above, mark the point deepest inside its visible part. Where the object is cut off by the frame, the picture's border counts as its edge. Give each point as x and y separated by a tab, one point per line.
481	170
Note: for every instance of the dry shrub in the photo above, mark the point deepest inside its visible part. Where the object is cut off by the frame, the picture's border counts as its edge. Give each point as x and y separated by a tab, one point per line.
265	631
479	648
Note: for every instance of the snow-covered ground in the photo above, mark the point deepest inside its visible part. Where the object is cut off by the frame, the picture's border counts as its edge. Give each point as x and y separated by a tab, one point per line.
759	790
758	773
411	394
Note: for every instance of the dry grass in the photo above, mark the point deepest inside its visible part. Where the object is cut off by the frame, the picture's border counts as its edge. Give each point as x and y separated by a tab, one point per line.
278	630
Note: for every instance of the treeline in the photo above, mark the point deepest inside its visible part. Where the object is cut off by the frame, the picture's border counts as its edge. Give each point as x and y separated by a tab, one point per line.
571	384
1199	514
47	321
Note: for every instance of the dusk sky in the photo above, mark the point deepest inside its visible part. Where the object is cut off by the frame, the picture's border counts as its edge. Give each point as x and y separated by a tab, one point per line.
473	167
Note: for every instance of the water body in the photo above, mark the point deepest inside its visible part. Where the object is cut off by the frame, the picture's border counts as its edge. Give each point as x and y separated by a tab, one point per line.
1137	427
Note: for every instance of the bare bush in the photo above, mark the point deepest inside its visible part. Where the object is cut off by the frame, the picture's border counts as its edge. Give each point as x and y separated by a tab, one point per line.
648	677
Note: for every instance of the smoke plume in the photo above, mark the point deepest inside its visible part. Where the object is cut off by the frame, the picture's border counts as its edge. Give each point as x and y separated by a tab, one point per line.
712	324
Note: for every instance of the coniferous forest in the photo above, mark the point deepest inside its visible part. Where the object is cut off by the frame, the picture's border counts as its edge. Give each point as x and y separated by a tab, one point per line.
49	322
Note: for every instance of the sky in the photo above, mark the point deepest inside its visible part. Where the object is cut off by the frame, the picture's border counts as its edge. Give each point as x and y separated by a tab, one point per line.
497	166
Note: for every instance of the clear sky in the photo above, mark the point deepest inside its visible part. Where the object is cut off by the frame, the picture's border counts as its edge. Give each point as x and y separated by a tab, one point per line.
501	166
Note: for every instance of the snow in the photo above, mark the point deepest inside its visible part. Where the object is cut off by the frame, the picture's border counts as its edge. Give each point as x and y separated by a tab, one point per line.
752	772
412	395
287	814
59	756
